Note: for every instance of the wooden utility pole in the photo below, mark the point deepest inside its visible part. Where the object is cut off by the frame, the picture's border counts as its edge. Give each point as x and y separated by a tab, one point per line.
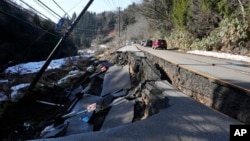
119	27
242	10
44	67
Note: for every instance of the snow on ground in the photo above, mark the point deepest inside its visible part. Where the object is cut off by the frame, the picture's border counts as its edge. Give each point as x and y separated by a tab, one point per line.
33	67
3	81
15	94
221	55
3	97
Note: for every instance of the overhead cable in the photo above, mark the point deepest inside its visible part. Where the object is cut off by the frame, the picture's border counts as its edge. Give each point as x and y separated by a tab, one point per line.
61	8
109	4
114	3
34	9
27	22
49	8
46	9
75	6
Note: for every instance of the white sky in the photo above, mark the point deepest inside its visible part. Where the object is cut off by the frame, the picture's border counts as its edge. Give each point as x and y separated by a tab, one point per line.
71	6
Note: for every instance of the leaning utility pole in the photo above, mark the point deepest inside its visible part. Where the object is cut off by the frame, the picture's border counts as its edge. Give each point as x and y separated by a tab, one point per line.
119	26
44	67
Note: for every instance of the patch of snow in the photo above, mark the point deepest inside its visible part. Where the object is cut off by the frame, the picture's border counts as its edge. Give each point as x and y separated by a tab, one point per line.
221	55
86	51
15	94
33	67
103	46
3	97
80	51
3	81
89	51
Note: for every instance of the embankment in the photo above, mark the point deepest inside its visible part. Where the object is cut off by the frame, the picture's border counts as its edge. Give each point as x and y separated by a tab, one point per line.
227	99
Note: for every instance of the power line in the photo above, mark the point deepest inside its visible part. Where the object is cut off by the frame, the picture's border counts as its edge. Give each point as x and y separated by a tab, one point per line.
61	8
114	3
75	6
49	8
34	9
27	22
45	9
111	6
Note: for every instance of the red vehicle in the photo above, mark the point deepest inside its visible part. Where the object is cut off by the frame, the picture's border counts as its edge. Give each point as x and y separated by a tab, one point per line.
159	43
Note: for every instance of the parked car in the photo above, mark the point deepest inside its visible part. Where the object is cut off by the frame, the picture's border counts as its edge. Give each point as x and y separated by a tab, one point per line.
159	43
148	43
142	42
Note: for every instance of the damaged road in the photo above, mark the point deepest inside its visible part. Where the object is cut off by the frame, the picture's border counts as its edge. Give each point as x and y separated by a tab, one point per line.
126	98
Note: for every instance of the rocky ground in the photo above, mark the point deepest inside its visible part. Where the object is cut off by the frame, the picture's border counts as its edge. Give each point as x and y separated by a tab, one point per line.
49	102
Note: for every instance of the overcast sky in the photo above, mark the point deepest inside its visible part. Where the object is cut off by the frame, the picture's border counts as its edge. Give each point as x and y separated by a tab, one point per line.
71	6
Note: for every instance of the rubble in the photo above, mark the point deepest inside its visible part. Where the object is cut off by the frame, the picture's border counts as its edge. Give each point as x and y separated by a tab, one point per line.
97	97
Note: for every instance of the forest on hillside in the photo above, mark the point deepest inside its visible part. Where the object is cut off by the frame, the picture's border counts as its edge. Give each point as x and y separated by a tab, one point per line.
26	37
218	25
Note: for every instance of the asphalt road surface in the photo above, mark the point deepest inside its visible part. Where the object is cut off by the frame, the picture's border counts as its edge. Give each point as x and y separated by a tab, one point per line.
184	120
231	72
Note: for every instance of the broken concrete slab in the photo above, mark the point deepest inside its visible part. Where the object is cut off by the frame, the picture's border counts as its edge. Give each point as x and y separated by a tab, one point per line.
116	78
120	94
185	119
77	90
106	63
76	125
106	100
52	131
118	115
140	54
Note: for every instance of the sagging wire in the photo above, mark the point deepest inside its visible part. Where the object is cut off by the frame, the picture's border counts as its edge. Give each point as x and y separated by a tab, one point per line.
109	4
49	8
74	6
62	20
34	9
61	8
46	9
27	22
34	26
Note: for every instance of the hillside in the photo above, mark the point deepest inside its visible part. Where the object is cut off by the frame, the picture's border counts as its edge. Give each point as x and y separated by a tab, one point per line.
217	25
26	37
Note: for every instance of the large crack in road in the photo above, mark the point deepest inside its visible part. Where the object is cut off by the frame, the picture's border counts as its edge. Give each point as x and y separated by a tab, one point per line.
53	110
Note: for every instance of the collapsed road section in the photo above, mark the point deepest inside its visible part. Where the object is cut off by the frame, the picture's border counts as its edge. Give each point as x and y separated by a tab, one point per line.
138	103
127	95
93	96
